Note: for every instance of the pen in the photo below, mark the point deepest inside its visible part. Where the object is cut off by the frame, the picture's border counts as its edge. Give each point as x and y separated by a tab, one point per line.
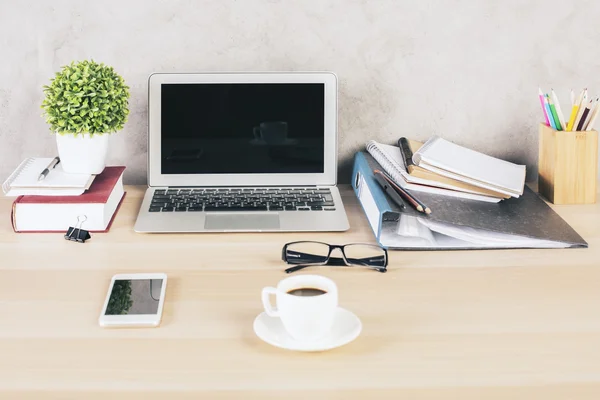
543	103
416	203
390	191
406	153
46	170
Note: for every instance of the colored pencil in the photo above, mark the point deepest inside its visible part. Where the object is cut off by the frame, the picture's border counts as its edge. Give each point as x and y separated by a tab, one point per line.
586	112
584	115
584	101
593	116
572	97
574	112
554	114
549	112
561	117
543	103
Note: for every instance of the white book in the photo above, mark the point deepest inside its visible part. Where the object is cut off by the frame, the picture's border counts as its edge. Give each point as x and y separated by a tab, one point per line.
458	162
390	159
24	180
96	207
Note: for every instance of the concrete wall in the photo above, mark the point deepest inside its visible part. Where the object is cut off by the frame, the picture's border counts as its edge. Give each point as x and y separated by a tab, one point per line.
465	70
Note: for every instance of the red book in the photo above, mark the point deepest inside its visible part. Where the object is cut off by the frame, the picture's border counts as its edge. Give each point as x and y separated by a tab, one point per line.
98	205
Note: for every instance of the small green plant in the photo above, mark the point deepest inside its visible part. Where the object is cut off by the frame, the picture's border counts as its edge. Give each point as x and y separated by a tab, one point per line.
86	97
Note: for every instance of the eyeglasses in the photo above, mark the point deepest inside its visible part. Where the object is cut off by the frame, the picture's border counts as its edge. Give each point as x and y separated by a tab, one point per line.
306	254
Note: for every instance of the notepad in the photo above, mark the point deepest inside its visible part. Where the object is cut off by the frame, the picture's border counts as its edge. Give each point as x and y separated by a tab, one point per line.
437	179
457	162
24	180
390	159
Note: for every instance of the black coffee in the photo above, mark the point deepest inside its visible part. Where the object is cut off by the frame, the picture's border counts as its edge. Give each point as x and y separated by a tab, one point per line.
307	292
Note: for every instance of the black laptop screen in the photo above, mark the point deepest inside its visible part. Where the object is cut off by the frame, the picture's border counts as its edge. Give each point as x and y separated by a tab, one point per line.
253	128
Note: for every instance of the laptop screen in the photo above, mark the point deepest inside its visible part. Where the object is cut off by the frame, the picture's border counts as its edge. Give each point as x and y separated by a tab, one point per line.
242	128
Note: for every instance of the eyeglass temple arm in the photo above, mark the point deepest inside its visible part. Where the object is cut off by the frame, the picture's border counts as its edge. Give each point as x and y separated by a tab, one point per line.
299	267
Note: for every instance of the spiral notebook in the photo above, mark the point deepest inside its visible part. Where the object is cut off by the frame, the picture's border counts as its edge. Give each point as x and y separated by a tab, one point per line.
24	180
390	159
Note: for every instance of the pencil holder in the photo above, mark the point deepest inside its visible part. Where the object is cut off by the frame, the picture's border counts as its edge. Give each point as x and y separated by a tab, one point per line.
568	166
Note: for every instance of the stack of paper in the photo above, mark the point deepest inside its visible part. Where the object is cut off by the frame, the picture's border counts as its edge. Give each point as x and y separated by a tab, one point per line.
24	180
441	167
453	161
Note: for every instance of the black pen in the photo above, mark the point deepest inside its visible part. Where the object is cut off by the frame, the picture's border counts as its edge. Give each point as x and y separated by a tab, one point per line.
46	170
416	203
389	190
406	153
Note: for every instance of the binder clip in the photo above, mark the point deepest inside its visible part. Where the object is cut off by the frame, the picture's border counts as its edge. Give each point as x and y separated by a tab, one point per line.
76	234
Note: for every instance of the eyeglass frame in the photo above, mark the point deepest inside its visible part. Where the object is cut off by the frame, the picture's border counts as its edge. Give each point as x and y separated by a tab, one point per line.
334	261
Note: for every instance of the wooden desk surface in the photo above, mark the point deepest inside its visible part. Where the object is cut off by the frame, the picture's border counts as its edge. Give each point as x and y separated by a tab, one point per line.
489	325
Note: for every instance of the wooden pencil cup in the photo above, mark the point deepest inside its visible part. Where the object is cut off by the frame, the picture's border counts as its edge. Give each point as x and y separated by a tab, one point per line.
568	166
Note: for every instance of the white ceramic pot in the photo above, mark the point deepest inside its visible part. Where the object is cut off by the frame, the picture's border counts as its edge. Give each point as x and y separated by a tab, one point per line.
82	153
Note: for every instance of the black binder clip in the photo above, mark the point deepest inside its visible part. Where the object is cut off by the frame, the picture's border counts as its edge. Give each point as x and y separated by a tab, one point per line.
76	234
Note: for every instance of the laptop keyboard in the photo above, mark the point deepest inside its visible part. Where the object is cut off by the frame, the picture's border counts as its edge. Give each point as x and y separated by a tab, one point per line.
242	199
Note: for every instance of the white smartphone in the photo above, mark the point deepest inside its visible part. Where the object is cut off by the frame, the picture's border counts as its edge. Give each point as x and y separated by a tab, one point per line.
134	300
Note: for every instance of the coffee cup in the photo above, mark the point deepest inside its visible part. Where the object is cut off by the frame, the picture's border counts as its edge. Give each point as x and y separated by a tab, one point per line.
306	305
271	132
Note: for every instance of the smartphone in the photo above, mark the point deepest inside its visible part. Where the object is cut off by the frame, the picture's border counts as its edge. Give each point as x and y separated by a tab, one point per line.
134	300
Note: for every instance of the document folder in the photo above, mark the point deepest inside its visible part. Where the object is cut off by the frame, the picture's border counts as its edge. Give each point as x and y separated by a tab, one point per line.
460	224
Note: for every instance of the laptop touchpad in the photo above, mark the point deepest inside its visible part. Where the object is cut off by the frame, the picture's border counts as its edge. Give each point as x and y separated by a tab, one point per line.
241	221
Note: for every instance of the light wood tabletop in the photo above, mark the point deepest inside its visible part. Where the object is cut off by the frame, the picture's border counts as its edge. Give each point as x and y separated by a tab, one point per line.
518	324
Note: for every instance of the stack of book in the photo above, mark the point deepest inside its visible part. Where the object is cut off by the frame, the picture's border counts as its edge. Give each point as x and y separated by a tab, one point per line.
442	167
60	200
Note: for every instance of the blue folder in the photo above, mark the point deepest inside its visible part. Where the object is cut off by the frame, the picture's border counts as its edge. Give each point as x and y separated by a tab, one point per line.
456	223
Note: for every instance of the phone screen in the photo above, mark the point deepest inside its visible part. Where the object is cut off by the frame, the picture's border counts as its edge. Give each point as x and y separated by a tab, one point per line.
134	297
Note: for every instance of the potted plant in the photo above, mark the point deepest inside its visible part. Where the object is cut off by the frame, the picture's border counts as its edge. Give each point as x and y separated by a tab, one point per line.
84	103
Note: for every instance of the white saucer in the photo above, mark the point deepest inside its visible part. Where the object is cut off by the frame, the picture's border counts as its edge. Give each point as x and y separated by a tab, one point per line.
346	328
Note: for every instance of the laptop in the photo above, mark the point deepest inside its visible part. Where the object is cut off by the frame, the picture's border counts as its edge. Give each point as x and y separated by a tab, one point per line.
242	152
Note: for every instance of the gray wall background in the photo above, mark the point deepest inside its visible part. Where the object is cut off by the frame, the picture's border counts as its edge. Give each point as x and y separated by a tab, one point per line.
465	70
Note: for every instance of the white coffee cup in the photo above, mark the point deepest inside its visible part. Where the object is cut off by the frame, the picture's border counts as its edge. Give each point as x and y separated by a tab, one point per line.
305	318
